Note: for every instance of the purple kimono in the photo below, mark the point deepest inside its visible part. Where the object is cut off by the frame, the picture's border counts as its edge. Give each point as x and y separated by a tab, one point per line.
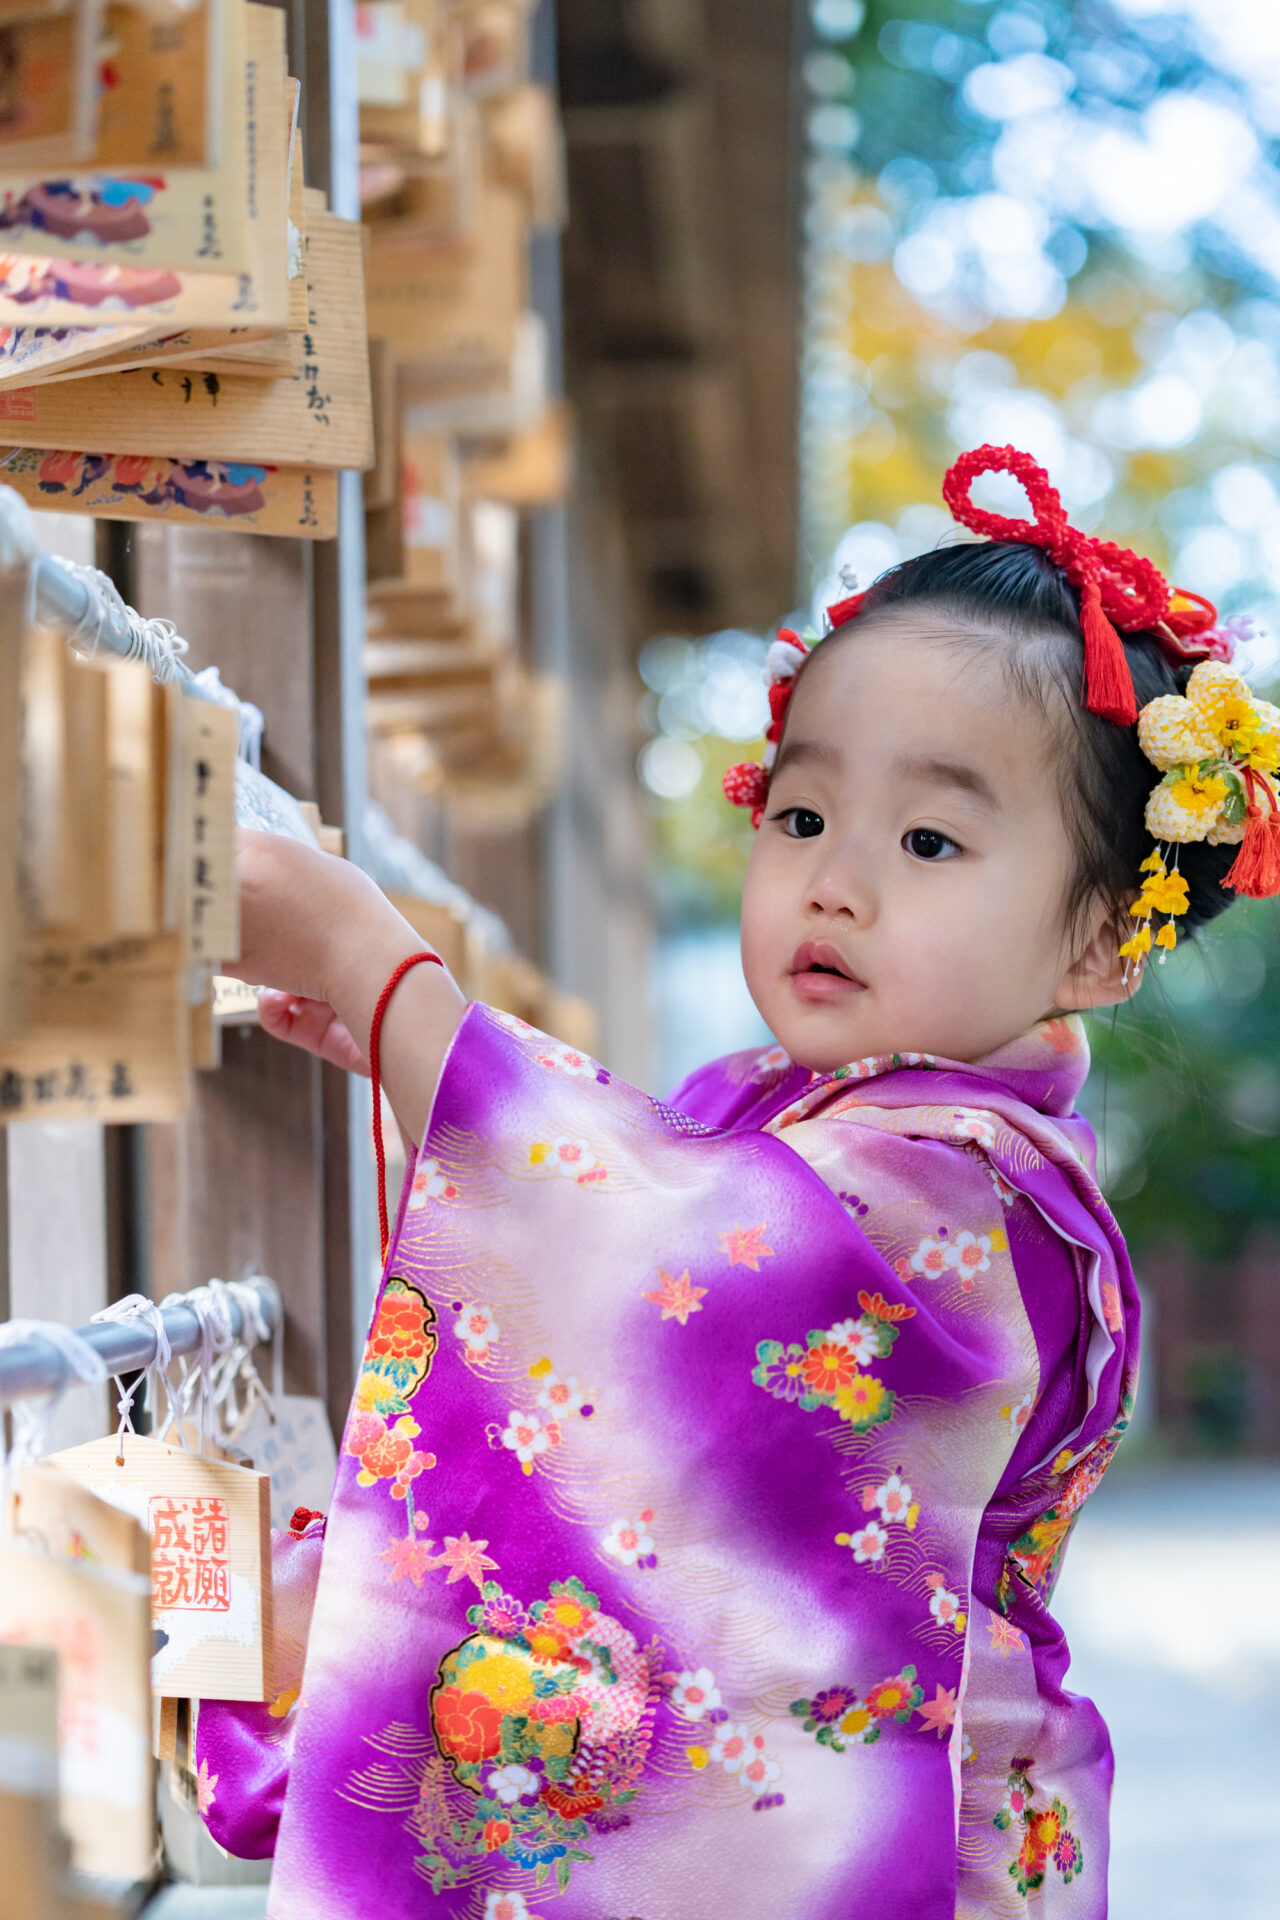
700	1504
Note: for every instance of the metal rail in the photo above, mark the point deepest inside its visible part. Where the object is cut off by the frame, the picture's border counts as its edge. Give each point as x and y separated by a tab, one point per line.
82	603
126	1346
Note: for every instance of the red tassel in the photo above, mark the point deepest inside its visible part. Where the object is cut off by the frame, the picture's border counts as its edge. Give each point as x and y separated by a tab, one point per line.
1256	872
1108	682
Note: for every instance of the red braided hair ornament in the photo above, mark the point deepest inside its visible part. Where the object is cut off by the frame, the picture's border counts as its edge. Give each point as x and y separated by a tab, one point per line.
1117	589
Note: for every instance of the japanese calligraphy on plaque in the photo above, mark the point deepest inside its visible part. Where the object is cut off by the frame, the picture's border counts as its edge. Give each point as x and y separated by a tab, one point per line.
209	1522
190	1554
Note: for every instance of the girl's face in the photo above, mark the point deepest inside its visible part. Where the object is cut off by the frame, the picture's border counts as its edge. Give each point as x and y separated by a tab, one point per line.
906	889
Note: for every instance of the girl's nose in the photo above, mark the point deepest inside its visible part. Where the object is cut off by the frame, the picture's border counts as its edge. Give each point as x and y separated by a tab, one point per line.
842	890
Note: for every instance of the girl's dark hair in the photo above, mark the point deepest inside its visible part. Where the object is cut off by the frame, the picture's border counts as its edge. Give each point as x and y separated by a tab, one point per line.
1105	778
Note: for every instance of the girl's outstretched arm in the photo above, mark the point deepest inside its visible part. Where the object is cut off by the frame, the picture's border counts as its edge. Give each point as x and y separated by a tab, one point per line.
318	929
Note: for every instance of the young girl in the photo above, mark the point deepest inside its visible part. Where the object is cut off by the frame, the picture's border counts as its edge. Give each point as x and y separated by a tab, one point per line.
711	1465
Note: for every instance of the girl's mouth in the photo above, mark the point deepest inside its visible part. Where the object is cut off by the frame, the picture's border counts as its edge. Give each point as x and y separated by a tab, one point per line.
820	974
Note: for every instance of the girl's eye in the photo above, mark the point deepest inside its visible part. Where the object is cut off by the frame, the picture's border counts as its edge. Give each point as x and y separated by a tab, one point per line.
802	823
926	843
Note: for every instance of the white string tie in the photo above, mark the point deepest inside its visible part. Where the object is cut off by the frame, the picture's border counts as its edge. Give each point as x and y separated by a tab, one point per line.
157	643
211	1306
135	1306
31	1416
235	1373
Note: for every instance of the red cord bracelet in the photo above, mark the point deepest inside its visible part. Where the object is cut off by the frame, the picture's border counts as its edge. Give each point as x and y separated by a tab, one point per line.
375	1074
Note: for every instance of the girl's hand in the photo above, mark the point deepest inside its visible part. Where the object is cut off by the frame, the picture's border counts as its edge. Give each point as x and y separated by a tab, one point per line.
312	1025
318	930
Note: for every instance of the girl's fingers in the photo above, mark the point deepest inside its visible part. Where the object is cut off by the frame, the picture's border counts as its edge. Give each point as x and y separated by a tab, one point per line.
312	1025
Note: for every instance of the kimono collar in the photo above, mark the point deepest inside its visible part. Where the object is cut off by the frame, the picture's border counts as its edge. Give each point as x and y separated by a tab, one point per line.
1045	1068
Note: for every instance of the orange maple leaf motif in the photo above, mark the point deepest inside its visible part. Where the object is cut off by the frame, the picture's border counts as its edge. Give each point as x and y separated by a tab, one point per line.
939	1712
881	1309
466	1559
409	1559
678	1298
1005	1637
205	1784
745	1246
1061	1037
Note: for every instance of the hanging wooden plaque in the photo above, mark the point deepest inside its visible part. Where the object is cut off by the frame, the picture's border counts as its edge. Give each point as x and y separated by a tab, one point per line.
98	1622
192	218
104	1033
210	1560
320	416
201	843
29	1844
13	621
55	1515
49	89
49	288
232	495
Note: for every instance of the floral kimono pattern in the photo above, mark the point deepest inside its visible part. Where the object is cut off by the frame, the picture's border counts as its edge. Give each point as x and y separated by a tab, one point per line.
700	1504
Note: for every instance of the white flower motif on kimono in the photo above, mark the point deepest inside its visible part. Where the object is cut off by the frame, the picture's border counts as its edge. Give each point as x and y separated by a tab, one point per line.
971	1253
1005	1194
631	1542
573	1158
526	1436
478	1329
1019	1413
945	1607
968	1123
773	1060
568	1060
514	1024
869	1542
695	1694
760	1772
858	1337
429	1184
561	1396
893	1499
932	1257
507	1906
514	1782
732	1747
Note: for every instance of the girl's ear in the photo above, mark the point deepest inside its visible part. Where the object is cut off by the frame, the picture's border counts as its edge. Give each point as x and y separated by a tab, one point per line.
1095	977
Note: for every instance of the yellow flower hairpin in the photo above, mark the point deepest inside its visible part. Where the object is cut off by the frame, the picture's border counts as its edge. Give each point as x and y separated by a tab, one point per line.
1218	749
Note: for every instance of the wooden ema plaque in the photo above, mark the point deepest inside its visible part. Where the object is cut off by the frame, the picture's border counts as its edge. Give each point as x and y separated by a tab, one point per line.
232	496
46	287
210	1527
104	1033
98	1622
13	603
29	1845
192	217
319	416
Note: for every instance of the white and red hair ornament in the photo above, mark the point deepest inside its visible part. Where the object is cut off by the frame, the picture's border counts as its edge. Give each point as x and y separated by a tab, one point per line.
1217	746
747	783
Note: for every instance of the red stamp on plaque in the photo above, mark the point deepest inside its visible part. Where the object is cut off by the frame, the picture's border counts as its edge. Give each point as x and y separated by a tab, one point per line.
190	1554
